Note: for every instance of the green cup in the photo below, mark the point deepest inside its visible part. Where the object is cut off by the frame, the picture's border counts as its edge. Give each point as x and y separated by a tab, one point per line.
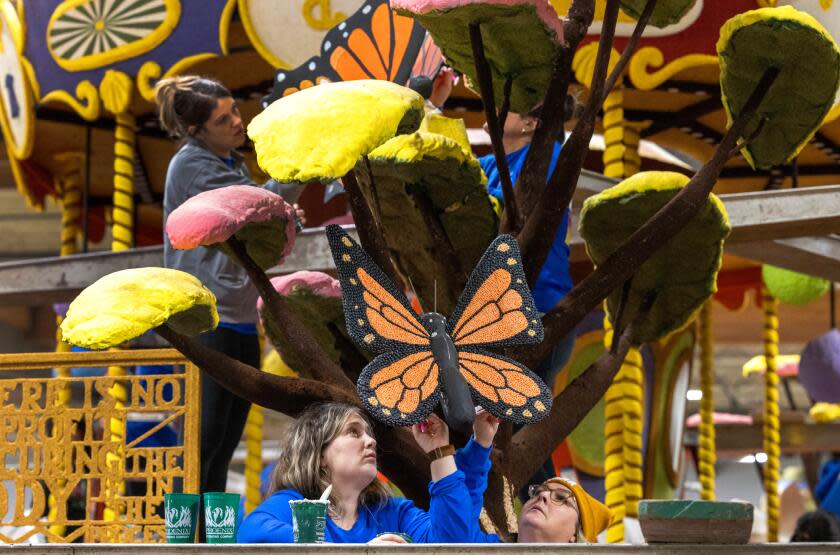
181	516
309	519
220	515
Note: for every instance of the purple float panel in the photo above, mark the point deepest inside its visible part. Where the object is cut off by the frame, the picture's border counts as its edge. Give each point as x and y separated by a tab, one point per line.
819	367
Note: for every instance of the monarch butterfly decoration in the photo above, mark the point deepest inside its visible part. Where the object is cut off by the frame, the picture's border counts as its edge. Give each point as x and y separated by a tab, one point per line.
429	359
373	43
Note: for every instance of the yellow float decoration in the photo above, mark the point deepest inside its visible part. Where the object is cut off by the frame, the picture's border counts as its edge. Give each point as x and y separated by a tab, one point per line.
87	34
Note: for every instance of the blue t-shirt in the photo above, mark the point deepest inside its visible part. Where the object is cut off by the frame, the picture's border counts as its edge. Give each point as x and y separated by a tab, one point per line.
554	280
474	461
449	519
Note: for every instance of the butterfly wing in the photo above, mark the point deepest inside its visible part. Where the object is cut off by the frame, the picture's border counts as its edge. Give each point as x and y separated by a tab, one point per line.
504	387
430	59
373	43
400	388
383	45
379	317
496	307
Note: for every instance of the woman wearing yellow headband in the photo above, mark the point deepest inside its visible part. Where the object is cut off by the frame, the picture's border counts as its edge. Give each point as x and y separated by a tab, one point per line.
557	511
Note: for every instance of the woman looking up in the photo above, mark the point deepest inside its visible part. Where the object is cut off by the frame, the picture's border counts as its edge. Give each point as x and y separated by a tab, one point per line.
333	444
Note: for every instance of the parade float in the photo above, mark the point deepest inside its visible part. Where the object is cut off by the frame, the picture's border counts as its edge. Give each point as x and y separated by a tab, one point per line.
667	91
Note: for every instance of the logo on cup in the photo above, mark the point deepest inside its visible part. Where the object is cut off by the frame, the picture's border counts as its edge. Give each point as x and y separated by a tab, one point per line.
218	517
179	517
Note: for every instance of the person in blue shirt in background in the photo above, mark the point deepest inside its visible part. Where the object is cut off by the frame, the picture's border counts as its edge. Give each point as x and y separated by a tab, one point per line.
332	443
554	281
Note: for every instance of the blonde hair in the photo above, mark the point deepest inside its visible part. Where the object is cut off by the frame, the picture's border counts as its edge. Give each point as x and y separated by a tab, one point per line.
187	101
299	466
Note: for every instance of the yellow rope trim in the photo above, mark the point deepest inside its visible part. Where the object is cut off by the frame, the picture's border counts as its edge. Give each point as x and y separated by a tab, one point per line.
113	484
615	496
771	413
632	380
123	212
68	183
613	155
707	454
253	457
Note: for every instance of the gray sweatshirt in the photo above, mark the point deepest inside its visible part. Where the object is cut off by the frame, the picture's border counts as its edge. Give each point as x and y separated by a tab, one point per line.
192	170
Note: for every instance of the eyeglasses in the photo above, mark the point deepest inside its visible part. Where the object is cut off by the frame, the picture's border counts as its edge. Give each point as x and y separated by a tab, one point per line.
558	496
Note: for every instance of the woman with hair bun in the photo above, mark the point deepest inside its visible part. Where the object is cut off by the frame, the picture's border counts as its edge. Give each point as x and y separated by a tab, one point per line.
203	114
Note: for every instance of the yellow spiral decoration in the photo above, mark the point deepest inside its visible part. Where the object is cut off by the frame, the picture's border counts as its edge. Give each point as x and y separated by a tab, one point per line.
632	138
123	214
253	446
771	413
253	457
68	183
707	455
631	379
615	496
613	156
116	91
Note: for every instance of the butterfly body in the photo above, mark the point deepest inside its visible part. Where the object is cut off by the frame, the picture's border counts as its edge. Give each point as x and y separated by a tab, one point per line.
424	360
455	396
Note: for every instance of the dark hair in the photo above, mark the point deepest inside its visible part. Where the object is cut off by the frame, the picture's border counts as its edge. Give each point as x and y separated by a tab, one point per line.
817	526
422	85
186	101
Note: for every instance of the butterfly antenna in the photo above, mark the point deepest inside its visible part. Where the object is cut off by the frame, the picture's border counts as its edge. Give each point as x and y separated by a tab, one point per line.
435	295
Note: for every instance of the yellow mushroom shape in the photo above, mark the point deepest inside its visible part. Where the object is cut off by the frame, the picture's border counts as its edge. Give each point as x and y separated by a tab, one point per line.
126	304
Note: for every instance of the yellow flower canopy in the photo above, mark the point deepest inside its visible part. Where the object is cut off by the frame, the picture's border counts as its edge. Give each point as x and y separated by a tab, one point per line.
126	304
318	134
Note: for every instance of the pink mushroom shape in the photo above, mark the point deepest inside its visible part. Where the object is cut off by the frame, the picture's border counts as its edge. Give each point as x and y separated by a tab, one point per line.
319	283
253	218
315	298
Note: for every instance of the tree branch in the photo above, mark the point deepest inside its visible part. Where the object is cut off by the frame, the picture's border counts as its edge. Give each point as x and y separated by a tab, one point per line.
618	70
540	229
485	84
286	395
453	270
317	363
534	174
532	178
505	107
402	460
533	444
646	240
370	234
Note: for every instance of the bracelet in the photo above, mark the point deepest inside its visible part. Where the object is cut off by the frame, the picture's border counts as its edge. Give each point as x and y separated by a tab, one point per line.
440	452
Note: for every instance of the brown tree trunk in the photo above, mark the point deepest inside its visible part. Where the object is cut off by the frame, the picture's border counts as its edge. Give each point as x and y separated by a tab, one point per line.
401	459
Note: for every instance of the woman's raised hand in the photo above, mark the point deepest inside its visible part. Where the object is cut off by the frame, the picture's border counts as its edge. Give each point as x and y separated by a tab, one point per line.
485	427
431	434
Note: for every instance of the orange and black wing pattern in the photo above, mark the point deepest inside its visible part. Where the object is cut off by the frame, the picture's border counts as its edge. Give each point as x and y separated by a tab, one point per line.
496	307
400	386
379	317
373	43
400	389
504	387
